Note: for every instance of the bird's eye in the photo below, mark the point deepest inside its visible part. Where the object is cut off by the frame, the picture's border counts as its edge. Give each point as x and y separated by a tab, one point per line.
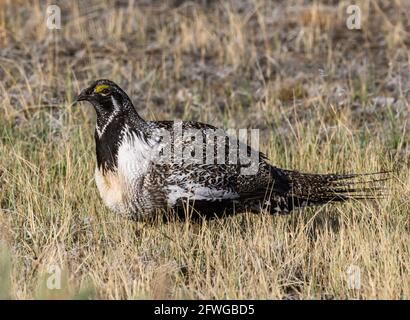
105	91
102	89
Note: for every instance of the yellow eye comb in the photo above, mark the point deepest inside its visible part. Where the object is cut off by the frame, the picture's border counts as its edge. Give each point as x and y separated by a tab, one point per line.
100	88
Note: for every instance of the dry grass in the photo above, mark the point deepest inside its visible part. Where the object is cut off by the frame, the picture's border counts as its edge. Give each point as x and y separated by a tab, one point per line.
326	99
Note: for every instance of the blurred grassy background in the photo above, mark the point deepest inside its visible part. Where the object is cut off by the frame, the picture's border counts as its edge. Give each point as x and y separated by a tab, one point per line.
325	98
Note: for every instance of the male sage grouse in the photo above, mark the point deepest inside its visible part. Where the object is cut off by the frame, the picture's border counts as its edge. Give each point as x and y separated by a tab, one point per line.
144	167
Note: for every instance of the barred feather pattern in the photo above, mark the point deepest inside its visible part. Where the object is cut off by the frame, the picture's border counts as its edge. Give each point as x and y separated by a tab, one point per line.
215	189
131	182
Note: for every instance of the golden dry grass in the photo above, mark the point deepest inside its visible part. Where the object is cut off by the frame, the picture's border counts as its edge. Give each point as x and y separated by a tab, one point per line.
325	98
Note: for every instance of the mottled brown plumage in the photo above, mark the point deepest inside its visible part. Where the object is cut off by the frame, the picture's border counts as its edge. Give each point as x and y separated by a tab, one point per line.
132	180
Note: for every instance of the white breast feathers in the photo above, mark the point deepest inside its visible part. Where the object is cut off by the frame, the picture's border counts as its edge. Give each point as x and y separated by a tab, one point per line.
135	155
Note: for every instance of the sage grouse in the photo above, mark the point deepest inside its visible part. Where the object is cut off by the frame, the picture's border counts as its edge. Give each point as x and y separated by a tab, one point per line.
135	178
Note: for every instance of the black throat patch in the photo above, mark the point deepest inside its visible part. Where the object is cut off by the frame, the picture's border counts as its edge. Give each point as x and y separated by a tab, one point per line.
108	142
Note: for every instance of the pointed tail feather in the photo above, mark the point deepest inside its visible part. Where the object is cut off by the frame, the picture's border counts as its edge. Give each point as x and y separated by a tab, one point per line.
314	189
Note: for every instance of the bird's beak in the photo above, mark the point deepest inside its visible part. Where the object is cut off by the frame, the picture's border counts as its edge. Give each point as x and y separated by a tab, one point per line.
83	96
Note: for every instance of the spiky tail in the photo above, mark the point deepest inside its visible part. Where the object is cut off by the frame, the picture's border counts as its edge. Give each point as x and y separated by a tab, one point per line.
314	189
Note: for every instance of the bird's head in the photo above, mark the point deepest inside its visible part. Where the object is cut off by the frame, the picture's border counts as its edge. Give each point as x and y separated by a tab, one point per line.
106	97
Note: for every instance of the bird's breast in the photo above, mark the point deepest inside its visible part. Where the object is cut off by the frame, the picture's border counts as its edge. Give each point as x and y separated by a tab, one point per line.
122	188
111	189
135	156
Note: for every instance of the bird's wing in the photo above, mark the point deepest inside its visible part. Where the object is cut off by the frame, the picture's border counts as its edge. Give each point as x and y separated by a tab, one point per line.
199	182
204	180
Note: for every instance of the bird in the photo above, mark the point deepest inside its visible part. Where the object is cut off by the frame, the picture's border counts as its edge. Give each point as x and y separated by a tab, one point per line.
141	172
